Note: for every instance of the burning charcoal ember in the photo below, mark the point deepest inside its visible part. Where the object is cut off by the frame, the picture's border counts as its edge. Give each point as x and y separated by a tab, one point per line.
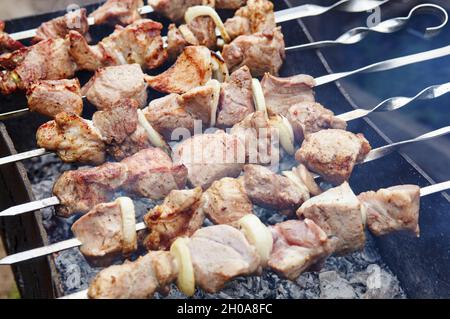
332	286
124	12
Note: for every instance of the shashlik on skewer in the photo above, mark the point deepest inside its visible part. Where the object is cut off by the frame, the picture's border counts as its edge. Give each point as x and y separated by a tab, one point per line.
7	44
288	248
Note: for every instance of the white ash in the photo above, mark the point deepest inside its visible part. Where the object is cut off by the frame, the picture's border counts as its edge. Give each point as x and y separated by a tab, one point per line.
360	275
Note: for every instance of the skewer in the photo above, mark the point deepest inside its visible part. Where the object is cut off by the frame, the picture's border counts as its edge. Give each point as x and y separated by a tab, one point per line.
373	155
74	242
388	105
299	12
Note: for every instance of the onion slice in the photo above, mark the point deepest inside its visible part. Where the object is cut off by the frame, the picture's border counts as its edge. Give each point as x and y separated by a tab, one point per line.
364	214
155	138
258	97
215	100
297	182
129	235
287	138
219	67
186	278
198	11
257	235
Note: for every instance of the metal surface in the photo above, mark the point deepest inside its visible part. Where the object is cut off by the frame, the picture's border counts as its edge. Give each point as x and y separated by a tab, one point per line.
30	207
356	35
23	156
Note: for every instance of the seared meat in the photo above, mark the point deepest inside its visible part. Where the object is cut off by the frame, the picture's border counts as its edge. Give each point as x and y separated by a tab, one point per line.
298	246
210	157
202	102
101	233
338	212
262	52
175	9
61	26
152	174
226	202
333	153
392	209
175	42
7	44
111	84
82	189
51	97
236	98
219	254
311	117
133	143
11	60
135	280
259	138
192	69
140	43
73	139
176	217
46	60
123	12
230	4
282	93
256	16
269	190
149	173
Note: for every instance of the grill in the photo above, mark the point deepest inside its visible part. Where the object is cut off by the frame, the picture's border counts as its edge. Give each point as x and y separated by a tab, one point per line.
407	267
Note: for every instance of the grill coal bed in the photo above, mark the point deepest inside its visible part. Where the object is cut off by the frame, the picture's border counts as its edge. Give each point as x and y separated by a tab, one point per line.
397	266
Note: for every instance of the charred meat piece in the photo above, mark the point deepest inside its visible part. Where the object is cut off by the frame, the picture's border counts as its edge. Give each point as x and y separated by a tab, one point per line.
262	52
176	217
51	97
80	190
392	209
230	4
73	139
192	69
7	44
311	117
151	174
112	84
298	246
210	157
333	153
11	60
135	280
236	98
122	12
61	26
219	254
140	43
133	143
175	9
101	232
46	60
256	16
282	93
272	191
259	138
338	212
226	202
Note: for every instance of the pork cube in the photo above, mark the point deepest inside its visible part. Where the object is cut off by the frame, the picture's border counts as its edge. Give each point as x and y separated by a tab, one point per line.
124	12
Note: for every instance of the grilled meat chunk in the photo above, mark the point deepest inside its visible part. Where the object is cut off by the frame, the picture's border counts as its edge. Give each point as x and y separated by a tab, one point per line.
392	209
61	26
230	4
80	190
210	157
112	84
192	69
152	174
176	42
311	117
226	202
7	44
338	212
262	52
219	254
51	97
282	93
176	217
298	246
140	43
46	60
333	153
133	143
175	9
11	60
135	280
73	139
256	16
272	191
122	12
236	98
101	233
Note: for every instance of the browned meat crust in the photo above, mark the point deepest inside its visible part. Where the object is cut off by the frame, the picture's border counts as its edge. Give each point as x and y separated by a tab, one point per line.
122	12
